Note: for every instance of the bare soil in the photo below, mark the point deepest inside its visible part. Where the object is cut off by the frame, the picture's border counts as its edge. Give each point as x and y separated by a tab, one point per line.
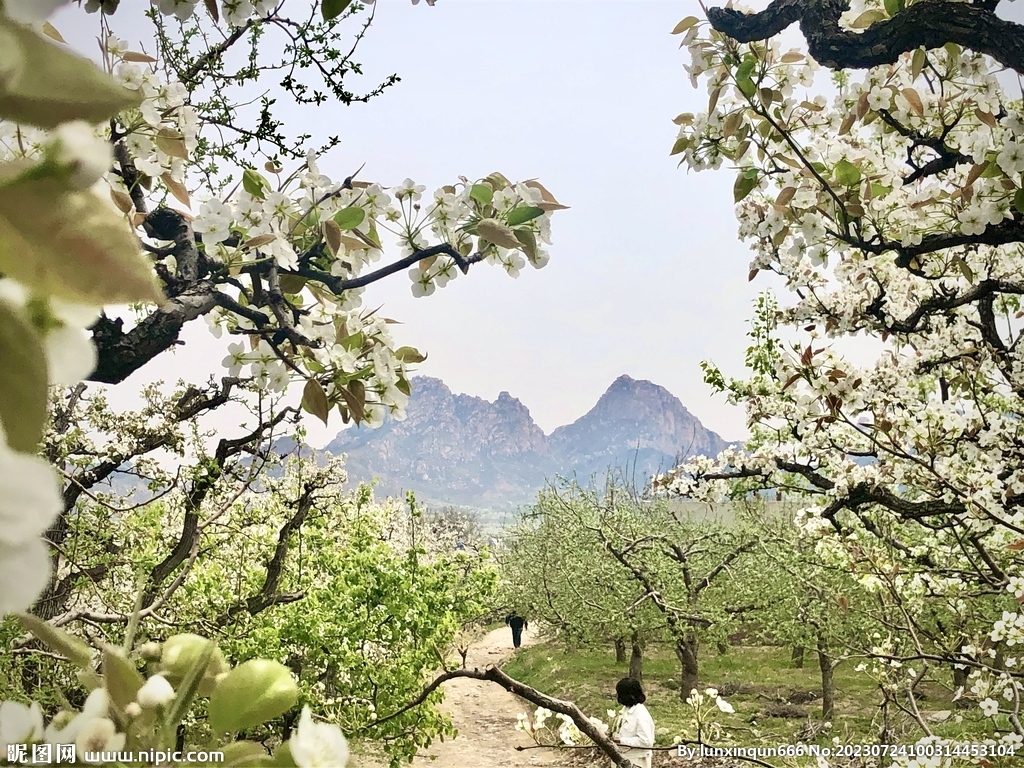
485	715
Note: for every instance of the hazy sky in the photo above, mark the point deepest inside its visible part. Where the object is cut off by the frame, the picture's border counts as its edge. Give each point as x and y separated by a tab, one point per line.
646	277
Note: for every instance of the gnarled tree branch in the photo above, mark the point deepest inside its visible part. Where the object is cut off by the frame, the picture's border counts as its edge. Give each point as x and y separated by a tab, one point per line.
928	23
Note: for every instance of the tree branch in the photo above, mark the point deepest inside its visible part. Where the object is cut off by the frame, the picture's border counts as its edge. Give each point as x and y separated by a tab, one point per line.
928	23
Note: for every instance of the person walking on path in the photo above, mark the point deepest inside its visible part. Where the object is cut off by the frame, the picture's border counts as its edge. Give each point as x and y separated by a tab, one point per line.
634	733
518	624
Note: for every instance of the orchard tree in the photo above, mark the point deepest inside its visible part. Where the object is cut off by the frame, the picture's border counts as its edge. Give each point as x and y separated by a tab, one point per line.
98	174
890	209
556	570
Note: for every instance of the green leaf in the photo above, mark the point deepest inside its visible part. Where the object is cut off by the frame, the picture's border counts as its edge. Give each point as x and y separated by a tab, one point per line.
496	232
254	692
45	85
349	218
283	756
528	241
1018	200
846	173
744	186
409	355
482	193
892	7
953	50
23	382
917	63
292	284
523	214
743	76
242	754
992	171
332	9
254	183
681	145
314	400
685	24
194	678
55	639
71	244
964	268
123	680
868	18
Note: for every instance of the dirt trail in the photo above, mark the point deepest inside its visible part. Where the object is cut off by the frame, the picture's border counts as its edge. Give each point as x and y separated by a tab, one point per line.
485	716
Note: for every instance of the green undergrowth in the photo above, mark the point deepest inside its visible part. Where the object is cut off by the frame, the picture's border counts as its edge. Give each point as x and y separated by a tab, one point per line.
769	695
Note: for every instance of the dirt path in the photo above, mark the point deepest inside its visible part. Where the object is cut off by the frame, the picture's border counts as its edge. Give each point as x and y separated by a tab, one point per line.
485	716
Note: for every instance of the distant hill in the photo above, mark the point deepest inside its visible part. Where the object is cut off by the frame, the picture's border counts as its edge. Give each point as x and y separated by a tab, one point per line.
466	451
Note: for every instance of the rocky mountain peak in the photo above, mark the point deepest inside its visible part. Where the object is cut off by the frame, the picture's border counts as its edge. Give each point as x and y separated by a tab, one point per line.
461	449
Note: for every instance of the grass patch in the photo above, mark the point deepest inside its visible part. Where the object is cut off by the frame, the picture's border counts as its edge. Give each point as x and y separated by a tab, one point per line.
758	681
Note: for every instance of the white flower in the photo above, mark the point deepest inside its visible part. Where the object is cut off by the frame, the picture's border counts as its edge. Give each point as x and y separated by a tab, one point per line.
97	707
236	358
88	156
989	707
1011	158
99	734
879	98
70	354
29	496
318	745
19	724
24	573
724	705
408	188
156	692
31	11
180	8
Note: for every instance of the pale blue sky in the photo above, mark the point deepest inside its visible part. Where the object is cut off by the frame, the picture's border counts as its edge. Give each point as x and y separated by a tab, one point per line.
646	277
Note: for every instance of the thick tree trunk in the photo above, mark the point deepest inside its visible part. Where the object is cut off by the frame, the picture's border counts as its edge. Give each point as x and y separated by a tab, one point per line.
636	658
827	684
620	650
686	652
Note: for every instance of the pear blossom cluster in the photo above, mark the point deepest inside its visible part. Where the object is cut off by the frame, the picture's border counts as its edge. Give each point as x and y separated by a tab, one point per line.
884	391
564	732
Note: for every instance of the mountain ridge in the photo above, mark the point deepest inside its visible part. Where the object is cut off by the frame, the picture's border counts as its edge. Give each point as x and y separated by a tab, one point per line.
464	450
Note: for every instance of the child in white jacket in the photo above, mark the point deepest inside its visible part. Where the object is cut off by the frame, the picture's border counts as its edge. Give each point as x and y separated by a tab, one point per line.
635	731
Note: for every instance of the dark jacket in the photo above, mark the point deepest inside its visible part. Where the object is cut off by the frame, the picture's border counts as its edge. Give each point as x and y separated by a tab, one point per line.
516	621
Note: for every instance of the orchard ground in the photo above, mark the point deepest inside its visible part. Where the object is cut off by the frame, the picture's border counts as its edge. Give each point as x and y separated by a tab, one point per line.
775	703
485	716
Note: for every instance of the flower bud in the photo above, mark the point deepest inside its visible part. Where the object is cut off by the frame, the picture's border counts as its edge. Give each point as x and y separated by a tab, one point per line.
156	692
252	693
182	652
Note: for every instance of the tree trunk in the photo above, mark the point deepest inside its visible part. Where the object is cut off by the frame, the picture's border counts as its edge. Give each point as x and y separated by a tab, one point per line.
686	652
797	658
620	650
636	658
960	681
827	685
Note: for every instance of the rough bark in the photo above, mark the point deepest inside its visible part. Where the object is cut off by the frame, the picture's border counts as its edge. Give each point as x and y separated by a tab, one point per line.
960	681
797	657
636	658
827	684
686	652
928	23
620	650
